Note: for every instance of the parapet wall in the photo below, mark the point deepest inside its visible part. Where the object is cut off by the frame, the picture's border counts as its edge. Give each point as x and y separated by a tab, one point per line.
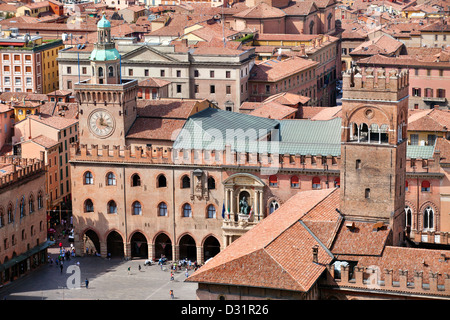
168	155
375	84
370	278
22	168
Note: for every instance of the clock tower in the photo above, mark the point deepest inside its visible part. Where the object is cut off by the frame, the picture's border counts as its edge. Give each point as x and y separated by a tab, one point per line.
107	104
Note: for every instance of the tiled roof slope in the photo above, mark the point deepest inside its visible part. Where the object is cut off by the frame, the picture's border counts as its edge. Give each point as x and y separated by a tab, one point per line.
277	252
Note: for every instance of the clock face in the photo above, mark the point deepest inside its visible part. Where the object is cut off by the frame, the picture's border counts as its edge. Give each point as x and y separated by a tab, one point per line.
101	123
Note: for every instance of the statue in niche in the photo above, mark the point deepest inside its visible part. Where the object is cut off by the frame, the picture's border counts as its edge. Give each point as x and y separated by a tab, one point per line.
244	207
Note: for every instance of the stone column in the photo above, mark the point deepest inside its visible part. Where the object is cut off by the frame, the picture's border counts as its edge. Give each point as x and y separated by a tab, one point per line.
151	251
261	206
103	249
226	202
232	205
127	249
200	257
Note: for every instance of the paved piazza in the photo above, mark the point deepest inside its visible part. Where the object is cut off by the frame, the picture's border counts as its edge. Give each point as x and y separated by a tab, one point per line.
108	279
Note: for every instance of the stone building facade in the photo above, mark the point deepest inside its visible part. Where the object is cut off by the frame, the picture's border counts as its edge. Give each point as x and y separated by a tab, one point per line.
23	217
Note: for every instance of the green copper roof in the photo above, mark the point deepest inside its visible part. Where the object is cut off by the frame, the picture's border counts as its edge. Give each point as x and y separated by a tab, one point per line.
213	129
419	152
104	54
103	23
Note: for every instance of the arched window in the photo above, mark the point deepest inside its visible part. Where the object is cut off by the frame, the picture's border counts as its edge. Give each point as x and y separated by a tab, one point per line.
311	27
273	206
295	183
337	182
162	181
137	208
185	182
88	206
428	219
22	208
31	204
211	212
110	71
211	183
187	211
329	18
2	218
135	180
408	216
10	214
39	200
110	179
426	186
112	206
316	183
88	178
100	71
367	193
273	181
162	209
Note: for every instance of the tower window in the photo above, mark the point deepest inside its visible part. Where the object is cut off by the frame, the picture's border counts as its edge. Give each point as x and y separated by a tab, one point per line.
162	181
358	164
110	71
426	187
367	193
100	72
135	180
185	182
316	183
428	219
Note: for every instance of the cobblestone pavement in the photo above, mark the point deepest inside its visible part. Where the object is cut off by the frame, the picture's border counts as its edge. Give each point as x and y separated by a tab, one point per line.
108	279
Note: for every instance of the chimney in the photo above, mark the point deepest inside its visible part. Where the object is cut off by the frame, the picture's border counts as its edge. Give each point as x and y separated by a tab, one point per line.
315	251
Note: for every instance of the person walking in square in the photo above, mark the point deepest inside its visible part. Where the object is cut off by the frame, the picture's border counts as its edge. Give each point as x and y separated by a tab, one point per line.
86	282
129	268
171	294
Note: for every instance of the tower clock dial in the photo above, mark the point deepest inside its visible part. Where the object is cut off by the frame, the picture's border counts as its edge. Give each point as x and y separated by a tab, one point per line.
101	123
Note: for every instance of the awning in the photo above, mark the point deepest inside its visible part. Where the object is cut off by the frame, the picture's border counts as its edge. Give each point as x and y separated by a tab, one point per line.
26	255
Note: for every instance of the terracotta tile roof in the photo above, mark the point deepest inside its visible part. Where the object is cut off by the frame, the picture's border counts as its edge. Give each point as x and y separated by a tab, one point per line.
273	110
44	141
54	121
327	113
274	70
216	51
166	108
384	44
360	239
288	98
435	120
443	146
246	105
155	129
301	8
154	83
261	11
411	259
277	252
286	37
67	110
309	112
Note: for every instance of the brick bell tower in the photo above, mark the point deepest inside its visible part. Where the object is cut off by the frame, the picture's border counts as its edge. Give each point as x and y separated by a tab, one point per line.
107	103
373	147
